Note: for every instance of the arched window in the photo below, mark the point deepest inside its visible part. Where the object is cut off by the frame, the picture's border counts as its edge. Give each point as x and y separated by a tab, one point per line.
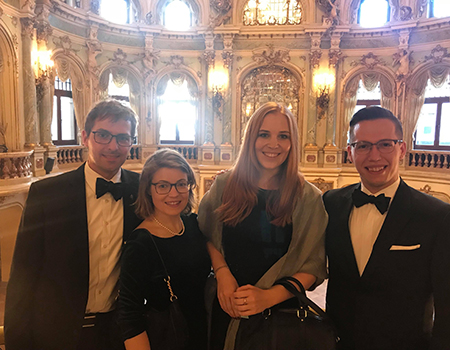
121	93
266	84
64	125
177	15
373	13
433	126
116	11
366	98
177	109
272	12
438	8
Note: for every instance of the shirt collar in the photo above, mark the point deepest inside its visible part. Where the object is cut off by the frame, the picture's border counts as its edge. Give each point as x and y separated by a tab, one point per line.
388	191
91	176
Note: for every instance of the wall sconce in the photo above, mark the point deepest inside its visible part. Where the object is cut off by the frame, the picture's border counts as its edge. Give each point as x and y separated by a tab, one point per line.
322	83
218	83
42	64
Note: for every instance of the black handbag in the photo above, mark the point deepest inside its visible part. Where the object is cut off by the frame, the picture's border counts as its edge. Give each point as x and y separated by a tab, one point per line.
305	327
167	329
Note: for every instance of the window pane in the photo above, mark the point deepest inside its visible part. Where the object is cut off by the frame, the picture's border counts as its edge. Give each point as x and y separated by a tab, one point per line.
373	13
54	127
115	11
444	135
177	109
67	127
443	91
364	94
426	125
177	16
358	108
441	8
114	90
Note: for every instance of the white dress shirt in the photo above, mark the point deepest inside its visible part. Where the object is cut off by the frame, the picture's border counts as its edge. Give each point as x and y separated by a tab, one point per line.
365	224
105	227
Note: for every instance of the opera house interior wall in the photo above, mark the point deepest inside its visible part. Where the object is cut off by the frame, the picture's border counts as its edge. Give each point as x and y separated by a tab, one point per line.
195	70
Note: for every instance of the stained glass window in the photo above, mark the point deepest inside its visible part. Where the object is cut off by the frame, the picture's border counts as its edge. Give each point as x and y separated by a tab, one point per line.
266	84
272	12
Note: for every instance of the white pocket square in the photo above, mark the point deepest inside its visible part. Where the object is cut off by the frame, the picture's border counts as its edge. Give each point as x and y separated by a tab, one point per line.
405	247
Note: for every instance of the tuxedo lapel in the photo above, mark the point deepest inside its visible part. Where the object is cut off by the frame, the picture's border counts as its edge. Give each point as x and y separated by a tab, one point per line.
131	187
76	194
343	241
396	219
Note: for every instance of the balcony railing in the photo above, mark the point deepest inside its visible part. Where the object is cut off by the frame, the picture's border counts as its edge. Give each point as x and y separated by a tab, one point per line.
70	155
428	159
14	165
188	152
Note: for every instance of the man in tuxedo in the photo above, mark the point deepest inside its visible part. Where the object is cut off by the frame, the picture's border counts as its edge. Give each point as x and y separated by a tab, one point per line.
63	285
388	248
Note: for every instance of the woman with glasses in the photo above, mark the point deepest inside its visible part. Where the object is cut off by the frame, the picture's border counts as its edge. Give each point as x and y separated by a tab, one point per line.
264	222
167	240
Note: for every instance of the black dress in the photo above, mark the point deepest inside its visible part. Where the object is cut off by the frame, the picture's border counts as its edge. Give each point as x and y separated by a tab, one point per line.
251	248
142	280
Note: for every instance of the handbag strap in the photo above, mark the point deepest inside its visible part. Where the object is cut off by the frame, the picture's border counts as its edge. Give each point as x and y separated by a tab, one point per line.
167	279
286	282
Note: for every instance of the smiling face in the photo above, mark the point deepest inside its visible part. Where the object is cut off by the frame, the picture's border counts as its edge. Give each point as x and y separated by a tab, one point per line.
377	170
273	143
172	203
106	159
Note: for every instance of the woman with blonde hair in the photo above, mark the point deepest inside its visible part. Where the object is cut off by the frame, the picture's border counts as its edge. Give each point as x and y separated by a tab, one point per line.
263	222
164	261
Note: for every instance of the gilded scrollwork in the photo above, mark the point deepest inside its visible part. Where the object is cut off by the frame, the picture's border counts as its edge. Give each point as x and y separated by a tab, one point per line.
271	56
438	54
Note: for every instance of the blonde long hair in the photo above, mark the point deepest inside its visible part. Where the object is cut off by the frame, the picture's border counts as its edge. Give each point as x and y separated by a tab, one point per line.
240	193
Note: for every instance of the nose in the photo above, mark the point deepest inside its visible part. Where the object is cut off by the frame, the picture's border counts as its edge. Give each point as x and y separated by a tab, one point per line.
113	145
273	142
374	153
173	191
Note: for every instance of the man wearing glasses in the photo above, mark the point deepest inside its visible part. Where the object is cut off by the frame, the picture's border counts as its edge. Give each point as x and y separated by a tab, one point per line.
63	284
388	248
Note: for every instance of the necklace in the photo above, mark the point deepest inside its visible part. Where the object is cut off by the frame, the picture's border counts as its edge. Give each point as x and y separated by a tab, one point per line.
168	229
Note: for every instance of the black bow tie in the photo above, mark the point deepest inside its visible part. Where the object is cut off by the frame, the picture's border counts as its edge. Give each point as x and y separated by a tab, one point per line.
381	201
102	186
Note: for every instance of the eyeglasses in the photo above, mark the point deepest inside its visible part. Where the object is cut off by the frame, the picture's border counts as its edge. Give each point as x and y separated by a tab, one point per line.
104	137
163	187
384	146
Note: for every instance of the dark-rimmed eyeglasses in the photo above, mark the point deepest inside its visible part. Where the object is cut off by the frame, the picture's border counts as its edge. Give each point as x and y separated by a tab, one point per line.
164	187
384	146
104	137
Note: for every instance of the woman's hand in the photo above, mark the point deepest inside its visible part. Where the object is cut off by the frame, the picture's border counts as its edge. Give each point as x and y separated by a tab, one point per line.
250	300
226	286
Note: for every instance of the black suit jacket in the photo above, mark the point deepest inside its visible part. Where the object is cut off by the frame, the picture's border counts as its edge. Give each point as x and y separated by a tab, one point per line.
48	287
390	306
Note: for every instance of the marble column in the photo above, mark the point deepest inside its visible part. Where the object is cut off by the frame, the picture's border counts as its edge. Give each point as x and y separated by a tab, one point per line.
29	85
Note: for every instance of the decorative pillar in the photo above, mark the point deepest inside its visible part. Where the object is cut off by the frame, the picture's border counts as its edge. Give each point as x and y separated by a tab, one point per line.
29	102
94	47
45	80
29	87
226	148
208	147
311	150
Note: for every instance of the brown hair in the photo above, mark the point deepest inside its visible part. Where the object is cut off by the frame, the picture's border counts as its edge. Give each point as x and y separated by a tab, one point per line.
164	158
240	192
374	113
110	109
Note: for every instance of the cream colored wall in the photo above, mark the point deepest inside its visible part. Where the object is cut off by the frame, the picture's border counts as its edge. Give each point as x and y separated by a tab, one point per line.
9	219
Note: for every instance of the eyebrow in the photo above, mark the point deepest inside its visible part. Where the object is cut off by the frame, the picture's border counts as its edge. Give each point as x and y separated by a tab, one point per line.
281	132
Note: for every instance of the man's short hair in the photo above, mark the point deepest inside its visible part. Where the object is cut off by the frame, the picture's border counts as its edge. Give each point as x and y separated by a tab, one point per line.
373	113
110	109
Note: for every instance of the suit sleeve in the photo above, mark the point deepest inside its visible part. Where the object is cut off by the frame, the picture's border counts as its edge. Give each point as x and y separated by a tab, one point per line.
440	268
25	270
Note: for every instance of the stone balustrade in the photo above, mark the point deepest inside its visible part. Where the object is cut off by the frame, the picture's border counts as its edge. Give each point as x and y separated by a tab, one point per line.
15	165
70	155
188	152
428	159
